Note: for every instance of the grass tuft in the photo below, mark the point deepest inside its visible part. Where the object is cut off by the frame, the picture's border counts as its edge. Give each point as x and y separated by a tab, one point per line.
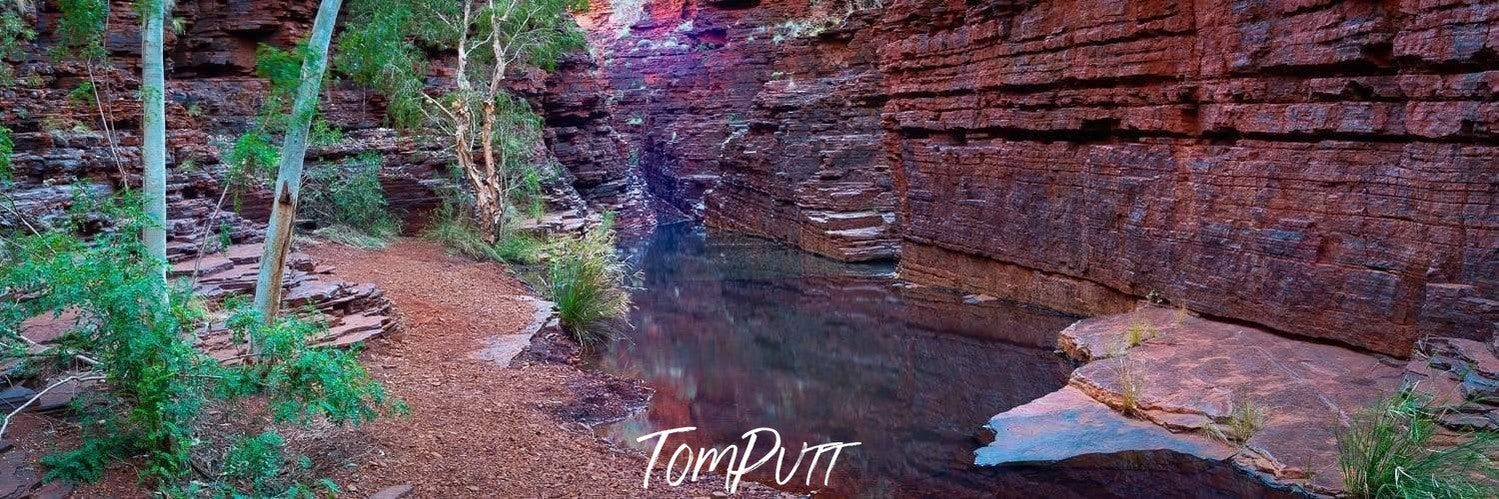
1244	420
1131	387
1389	451
521	248
586	280
1138	333
460	235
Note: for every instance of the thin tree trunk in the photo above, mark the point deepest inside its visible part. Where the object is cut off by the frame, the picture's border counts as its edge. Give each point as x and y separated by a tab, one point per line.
495	173
480	175
293	152
154	134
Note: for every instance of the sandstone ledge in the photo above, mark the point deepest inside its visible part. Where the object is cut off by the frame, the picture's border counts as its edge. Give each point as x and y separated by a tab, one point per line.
1190	372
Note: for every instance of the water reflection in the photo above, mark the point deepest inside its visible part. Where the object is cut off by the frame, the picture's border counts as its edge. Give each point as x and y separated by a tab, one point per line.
737	333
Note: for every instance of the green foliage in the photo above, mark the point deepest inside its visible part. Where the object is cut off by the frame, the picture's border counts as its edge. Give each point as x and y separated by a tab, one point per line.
324	134
85	464
349	203
7	147
135	336
1138	333
81	29
520	248
282	67
456	231
82	94
256	466
254	155
157	381
301	382
385	45
255	461
1389	451
14	33
373	52
586	280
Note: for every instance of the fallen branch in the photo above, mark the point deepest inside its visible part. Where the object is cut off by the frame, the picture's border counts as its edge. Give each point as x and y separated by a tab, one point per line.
11	207
38	396
203	235
80	357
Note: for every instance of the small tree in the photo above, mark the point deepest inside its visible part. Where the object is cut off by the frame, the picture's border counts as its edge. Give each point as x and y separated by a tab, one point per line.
293	153
493	133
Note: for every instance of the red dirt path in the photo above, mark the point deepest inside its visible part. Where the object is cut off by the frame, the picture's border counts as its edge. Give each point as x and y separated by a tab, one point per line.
475	428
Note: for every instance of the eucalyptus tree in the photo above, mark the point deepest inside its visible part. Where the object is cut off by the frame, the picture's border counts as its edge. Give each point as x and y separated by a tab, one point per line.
154	131
293	153
493	133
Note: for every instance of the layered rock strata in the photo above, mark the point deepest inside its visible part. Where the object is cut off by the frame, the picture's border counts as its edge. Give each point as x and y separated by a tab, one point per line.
1323	168
802	168
65	142
1326	168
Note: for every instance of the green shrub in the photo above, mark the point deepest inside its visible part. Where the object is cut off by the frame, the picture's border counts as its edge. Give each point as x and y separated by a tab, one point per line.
348	202
7	147
158	382
586	279
520	248
80	28
15	32
324	134
1388	451
82	94
282	67
253	155
255	461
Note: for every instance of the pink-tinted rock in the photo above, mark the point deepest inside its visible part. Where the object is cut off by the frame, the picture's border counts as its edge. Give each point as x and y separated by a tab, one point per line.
1188	374
1246	162
1068	423
1324	169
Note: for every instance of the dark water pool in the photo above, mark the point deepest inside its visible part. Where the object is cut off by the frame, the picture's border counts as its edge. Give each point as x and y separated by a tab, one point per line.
736	333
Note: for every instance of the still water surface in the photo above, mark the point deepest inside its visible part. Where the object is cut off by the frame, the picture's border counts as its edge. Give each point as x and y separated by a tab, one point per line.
735	333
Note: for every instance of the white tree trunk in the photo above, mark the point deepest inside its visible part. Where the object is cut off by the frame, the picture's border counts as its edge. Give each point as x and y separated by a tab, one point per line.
154	133
289	175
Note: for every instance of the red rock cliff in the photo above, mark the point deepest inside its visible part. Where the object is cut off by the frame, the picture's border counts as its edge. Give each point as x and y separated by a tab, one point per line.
213	94
1323	168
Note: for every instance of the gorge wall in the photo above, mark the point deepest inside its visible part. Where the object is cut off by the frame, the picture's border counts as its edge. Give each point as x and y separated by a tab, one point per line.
1324	168
213	94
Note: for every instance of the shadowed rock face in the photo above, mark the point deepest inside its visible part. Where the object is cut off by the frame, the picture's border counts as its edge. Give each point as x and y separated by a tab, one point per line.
1324	168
